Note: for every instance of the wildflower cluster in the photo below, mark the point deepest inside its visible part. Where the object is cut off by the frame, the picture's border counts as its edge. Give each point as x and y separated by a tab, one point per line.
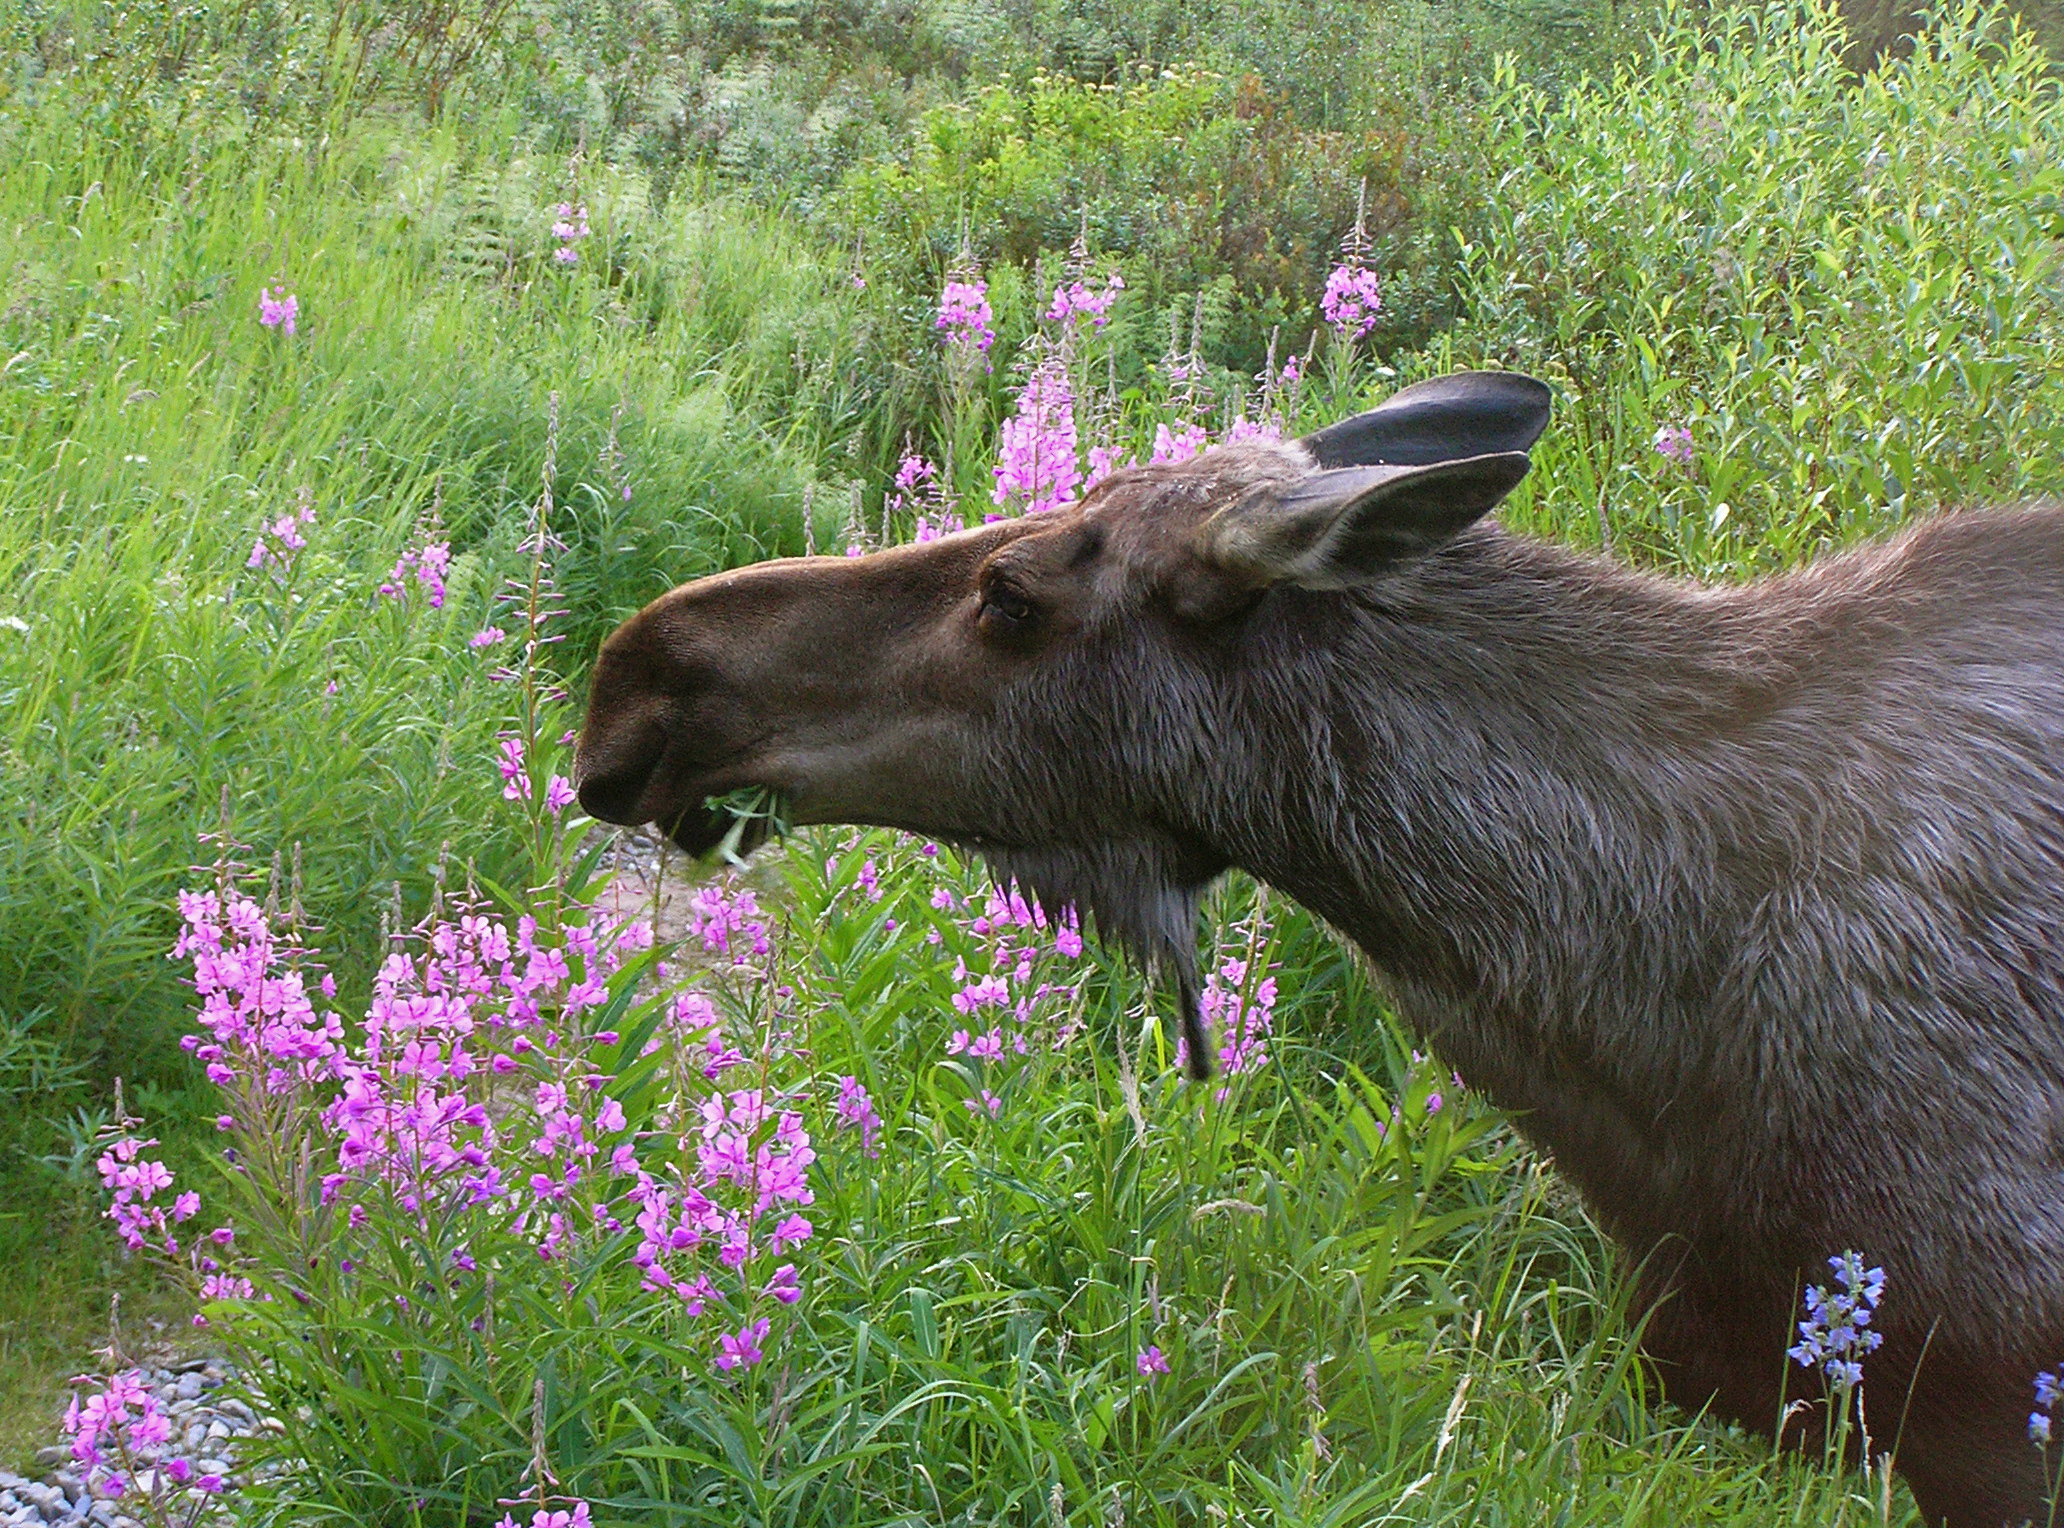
1036	464
278	542
515	772
575	1516
1351	301
2049	1388
124	1442
1835	1337
920	490
133	1185
964	315
1074	300
1010	997
1673	441
427	564
279	310
570	228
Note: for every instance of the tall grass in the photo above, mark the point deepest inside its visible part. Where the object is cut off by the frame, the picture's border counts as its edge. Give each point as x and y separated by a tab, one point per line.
1372	1310
154	427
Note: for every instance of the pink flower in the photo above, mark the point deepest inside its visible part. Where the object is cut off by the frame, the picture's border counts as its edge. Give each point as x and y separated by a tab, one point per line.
855	1109
1074	300
964	315
558	794
487	636
1674	442
985	1100
1036	465
1352	299
278	310
515	777
569	230
1150	1361
742	1350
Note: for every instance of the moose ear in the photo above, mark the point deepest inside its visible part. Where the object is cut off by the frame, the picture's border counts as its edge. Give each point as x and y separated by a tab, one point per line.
1334	529
1472	413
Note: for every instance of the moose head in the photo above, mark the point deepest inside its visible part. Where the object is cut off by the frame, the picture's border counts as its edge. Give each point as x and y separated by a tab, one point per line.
1060	693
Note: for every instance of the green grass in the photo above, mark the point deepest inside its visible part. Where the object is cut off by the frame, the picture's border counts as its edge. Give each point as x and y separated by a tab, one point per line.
1846	290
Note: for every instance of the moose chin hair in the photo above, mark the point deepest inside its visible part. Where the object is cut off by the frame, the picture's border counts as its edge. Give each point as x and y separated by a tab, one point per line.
1140	894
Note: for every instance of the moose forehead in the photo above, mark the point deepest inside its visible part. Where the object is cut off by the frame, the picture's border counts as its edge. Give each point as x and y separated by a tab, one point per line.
1130	534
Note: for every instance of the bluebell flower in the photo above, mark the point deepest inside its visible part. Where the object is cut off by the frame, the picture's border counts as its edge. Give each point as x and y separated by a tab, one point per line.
1835	1337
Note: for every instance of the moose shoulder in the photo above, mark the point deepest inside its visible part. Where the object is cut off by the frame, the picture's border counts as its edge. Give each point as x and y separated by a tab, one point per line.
1745	901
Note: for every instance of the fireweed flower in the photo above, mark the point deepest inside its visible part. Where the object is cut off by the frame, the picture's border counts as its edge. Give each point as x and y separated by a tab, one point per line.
1036	465
1674	442
1351	301
1150	1361
1242	1019
279	541
856	1111
1178	444
1072	299
427	564
487	636
574	1517
1835	1336
570	228
964	316
119	1436
278	310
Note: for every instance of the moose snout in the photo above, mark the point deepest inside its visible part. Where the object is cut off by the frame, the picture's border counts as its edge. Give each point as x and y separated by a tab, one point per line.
611	779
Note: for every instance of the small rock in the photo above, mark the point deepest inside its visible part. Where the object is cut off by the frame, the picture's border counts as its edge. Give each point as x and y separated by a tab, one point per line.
196	1432
195	1365
57	1453
189	1385
235	1408
211	1466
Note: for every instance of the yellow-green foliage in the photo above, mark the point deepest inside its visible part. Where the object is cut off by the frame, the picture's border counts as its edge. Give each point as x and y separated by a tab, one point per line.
1848	290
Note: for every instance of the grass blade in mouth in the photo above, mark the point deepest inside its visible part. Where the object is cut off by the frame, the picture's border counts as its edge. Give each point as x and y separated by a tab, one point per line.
745	807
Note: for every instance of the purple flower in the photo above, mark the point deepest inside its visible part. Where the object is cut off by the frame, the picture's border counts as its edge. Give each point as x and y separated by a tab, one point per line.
1036	464
1674	441
964	315
487	636
558	794
1835	1336
1074	300
1150	1361
569	230
856	1110
1352	299
278	310
742	1350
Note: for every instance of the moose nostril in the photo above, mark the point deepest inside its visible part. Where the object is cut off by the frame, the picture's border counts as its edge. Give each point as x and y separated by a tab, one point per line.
613	796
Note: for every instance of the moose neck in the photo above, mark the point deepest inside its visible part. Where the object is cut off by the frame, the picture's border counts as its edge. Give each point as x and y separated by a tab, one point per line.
1506	775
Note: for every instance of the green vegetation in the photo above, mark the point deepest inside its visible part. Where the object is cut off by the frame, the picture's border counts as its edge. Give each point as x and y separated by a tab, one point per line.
1845	290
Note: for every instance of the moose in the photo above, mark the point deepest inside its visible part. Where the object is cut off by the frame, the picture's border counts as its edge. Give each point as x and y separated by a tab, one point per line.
1746	902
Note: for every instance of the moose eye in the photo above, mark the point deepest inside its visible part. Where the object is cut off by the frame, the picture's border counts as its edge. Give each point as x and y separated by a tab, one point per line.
1004	606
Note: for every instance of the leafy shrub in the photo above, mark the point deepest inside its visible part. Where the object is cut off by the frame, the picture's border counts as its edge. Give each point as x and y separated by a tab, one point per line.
1846	290
1191	181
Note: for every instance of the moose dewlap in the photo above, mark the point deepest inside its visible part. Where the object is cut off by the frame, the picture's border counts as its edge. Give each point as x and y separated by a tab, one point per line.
1746	902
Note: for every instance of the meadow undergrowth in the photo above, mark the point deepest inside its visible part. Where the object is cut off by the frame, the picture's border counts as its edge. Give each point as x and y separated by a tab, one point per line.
870	1194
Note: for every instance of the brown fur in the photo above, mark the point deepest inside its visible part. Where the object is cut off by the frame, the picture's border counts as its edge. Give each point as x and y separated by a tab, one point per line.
1745	902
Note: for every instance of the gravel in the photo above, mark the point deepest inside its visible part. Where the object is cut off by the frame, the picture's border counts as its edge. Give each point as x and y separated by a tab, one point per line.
214	1433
